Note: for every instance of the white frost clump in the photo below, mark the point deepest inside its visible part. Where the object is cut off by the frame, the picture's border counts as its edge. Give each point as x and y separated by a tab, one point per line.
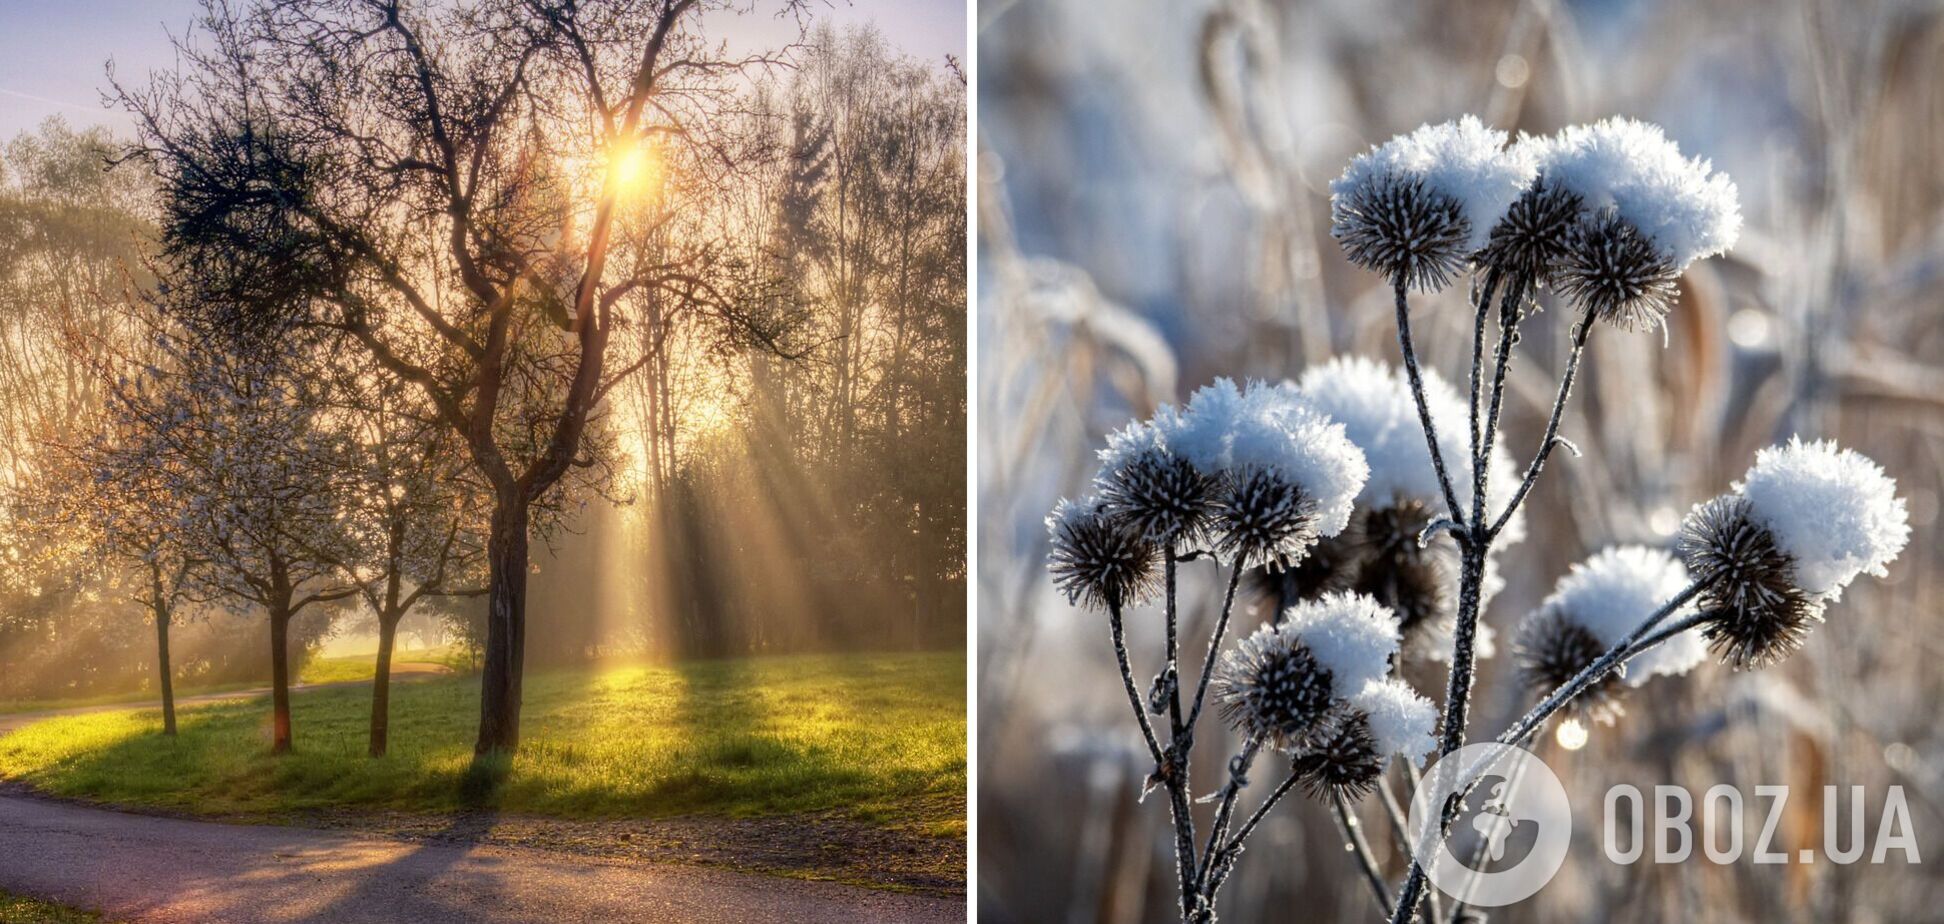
1201	431
1350	635
1688	211
1831	509
1401	721
1613	592
1373	402
1225	428
1462	159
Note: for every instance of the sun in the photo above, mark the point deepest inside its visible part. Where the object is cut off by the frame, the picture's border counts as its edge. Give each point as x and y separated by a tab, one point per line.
634	170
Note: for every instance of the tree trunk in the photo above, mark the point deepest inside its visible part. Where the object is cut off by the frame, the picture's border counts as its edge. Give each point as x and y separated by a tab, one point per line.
280	680
500	676
381	684
162	668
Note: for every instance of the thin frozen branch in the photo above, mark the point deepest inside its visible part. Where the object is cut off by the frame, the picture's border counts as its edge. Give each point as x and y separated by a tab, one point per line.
1353	837
1405	347
1581	332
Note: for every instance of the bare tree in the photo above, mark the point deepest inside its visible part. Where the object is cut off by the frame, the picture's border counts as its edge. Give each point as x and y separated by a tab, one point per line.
442	184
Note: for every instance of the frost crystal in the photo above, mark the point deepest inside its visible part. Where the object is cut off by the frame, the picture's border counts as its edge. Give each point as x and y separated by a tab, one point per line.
1350	635
1630	167
1289	475
1416	207
1373	402
1401	721
1461	160
1610	594
1832	510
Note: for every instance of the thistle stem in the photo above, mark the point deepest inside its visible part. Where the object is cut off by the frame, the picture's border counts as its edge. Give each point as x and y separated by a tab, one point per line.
1223	862
1164	769
1405	347
1127	679
1173	677
1581	332
1238	778
1353	837
1214	646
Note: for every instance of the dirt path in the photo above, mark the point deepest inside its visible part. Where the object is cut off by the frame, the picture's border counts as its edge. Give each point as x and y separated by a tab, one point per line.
149	870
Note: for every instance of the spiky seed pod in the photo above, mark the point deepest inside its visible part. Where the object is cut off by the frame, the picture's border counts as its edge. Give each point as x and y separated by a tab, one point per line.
1551	650
1341	755
1271	688
1414	582
1331	565
1531	240
1264	518
1161	495
1399	228
1617	273
1761	614
1097	561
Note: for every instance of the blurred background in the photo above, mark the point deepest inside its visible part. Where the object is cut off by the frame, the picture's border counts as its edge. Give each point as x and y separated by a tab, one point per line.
1154	212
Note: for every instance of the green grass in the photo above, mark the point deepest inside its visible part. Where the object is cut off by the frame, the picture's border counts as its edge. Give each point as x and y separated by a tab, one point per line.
363	666
881	737
316	670
15	909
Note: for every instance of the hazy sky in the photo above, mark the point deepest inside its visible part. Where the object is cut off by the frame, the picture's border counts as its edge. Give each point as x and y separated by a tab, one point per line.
53	52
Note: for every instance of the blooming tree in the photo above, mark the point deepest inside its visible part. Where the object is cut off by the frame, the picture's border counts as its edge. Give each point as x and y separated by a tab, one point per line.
1373	506
253	474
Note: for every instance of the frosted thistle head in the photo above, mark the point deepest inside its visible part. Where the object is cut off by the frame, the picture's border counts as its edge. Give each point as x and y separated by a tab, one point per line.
1271	689
1287	475
1531	240
1807	519
1591	609
1614	272
1415	208
1414	581
1098	561
1341	756
1153	489
1647	214
1278	684
1760	613
1353	743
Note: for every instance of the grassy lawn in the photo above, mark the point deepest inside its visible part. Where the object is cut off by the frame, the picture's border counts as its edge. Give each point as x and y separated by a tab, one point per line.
880	737
15	909
316	670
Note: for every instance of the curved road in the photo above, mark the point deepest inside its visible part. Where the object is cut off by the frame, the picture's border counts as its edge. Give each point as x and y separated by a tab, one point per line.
149	870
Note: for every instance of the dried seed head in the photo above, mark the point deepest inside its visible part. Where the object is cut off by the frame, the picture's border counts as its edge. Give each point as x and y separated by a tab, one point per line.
1097	561
1759	611
1552	649
1397	227
1617	273
1154	490
1271	688
1530	241
1341	755
1263	518
1392	569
